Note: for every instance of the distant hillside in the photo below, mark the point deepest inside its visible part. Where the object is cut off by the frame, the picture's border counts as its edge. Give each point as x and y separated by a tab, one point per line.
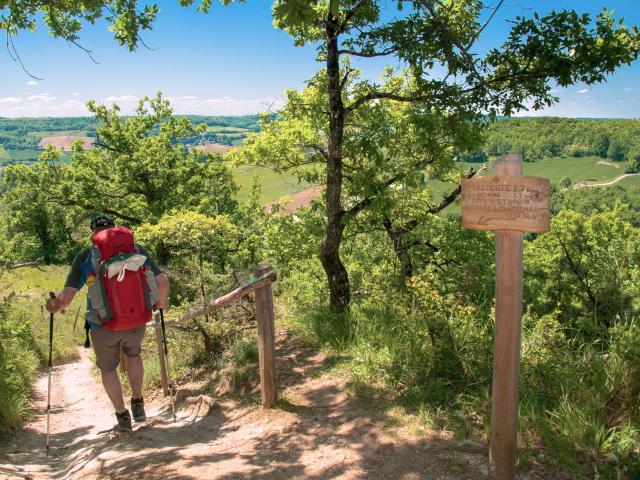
617	140
22	139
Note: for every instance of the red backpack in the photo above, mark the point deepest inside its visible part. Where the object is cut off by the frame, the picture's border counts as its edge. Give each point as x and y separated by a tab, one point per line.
123	279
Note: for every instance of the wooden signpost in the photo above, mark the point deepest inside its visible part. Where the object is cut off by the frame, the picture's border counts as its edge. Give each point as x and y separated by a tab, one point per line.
510	204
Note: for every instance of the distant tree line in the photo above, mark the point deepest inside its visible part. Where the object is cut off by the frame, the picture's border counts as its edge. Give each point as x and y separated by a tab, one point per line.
616	140
15	132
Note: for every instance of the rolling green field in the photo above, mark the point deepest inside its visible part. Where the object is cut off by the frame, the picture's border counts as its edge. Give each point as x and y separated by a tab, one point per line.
222	129
577	169
630	182
274	185
39	134
584	169
30	154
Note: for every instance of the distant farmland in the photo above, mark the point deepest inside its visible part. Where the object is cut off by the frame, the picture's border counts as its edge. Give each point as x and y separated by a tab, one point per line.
213	148
64	142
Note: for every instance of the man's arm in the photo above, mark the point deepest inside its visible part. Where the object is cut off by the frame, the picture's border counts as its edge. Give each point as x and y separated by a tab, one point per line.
75	280
161	278
62	300
163	290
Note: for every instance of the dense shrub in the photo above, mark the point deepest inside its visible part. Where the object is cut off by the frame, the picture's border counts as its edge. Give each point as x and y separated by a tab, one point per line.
18	364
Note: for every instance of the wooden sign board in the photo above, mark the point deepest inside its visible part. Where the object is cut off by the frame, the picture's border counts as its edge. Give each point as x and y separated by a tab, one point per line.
506	203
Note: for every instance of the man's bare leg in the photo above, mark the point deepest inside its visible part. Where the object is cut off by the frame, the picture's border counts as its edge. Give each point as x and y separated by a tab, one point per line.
113	388
135	371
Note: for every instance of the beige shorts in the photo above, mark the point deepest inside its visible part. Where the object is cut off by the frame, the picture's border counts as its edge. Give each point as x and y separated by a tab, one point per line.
107	345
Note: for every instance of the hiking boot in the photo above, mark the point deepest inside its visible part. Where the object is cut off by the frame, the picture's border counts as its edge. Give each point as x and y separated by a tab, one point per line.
137	408
124	421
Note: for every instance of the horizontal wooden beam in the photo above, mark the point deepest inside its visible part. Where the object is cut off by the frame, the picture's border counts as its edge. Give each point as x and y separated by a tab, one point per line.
247	288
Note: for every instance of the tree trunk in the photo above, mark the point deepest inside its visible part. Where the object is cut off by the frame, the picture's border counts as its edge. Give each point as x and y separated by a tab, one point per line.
163	254
399	247
44	235
337	276
202	287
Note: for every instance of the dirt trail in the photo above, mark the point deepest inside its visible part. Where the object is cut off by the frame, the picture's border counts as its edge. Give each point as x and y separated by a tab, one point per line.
604	184
320	432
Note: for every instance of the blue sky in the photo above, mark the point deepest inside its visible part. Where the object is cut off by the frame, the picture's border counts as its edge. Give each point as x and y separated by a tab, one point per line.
232	61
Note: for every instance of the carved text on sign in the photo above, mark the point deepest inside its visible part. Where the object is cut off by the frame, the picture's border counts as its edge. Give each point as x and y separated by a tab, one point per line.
506	203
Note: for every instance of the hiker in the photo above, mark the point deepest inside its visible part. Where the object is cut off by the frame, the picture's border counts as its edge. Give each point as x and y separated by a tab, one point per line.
124	286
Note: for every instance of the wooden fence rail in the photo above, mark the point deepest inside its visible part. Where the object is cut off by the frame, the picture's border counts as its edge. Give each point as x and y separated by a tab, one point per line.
266	329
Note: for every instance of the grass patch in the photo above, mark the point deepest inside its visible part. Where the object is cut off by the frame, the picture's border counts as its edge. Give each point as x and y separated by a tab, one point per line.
24	334
581	169
576	404
274	185
223	129
29	288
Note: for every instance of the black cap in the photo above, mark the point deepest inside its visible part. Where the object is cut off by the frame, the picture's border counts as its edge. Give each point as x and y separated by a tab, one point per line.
102	221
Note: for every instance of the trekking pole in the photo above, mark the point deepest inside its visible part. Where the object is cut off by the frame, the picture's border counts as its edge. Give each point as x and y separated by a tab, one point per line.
52	295
166	364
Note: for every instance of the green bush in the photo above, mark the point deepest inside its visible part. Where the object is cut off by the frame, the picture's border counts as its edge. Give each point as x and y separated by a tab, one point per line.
244	351
18	364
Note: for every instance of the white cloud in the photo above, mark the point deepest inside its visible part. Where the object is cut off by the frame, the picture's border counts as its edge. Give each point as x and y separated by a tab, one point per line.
72	103
222	105
32	83
11	100
43	97
627	89
584	90
122	98
46	104
76	94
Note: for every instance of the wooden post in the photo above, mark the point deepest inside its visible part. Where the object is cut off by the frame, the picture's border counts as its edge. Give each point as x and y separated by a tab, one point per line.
163	363
506	346
510	204
266	340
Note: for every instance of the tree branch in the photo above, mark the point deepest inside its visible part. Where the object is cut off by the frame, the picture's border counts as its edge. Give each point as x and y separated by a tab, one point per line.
468	58
385	95
92	208
576	271
60	32
15	266
365	202
349	15
446	201
16	56
383	53
479	32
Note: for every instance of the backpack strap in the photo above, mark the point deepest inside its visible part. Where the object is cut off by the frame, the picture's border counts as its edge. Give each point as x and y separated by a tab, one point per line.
95	259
